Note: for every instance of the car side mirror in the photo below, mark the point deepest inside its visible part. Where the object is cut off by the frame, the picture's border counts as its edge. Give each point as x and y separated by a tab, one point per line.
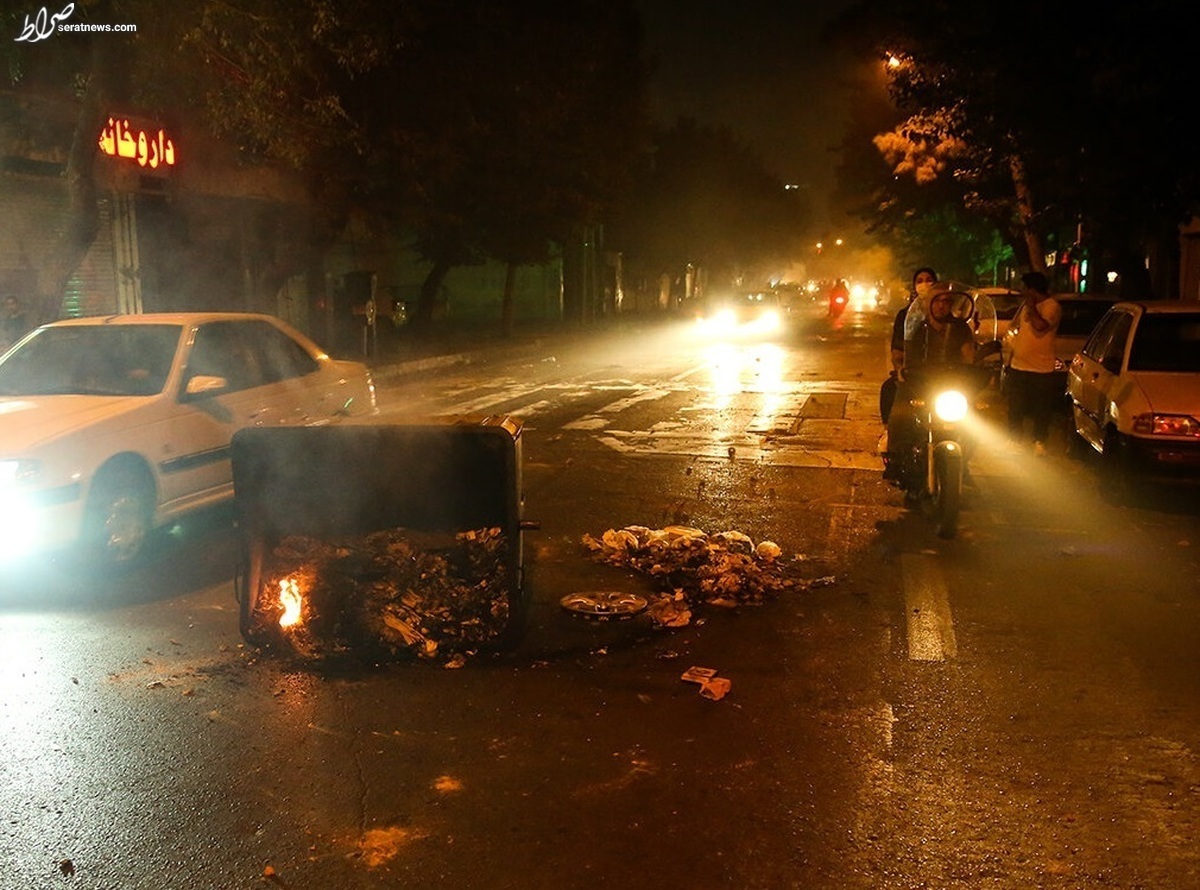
205	384
1112	364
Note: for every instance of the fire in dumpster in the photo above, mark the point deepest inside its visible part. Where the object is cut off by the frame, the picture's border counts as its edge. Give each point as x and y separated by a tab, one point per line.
291	603
386	593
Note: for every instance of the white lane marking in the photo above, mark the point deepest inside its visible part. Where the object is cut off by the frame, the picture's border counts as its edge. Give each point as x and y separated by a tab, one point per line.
599	418
927	604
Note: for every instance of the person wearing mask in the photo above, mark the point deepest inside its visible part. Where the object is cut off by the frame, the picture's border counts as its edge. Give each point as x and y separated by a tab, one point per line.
1029	380
923	281
937	339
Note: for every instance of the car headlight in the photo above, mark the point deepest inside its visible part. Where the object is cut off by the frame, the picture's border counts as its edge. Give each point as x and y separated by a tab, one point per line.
950	406
18	472
1166	425
21	524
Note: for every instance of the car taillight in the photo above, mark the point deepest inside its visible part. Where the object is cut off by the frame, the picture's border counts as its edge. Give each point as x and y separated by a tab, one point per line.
1166	425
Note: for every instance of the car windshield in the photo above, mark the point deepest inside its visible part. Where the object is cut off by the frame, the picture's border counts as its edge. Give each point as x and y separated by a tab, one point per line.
112	360
1167	342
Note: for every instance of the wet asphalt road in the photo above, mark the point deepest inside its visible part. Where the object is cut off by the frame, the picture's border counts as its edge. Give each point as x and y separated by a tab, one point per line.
1014	708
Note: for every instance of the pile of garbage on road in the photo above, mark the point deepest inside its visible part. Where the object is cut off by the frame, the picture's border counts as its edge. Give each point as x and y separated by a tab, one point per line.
690	568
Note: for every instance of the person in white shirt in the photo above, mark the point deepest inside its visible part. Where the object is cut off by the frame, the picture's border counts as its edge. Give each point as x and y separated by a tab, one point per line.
1030	382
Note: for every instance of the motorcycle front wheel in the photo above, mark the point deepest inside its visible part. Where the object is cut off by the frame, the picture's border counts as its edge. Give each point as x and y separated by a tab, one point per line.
947	490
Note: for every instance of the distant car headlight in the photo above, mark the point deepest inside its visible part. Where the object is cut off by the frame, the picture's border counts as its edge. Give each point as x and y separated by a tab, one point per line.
721	322
768	321
951	406
1166	425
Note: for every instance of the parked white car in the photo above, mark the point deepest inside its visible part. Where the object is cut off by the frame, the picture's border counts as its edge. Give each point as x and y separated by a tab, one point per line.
1135	391
113	426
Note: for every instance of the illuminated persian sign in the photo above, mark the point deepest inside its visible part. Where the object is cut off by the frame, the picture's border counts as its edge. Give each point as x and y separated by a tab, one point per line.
151	150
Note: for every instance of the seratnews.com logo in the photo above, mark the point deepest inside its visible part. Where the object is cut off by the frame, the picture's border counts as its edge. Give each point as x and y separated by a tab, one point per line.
43	24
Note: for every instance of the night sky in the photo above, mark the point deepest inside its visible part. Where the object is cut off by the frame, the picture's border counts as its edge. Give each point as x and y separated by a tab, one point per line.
760	67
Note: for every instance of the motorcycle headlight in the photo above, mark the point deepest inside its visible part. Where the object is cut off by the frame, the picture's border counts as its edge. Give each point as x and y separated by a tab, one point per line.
950	406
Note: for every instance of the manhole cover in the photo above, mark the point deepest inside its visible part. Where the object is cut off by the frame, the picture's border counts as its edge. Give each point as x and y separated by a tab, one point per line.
604	604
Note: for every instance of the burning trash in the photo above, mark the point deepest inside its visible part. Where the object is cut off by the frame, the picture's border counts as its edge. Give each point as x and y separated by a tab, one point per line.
379	540
692	568
385	594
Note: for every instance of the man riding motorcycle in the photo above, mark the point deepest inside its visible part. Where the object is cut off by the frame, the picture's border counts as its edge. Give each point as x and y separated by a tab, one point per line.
937	339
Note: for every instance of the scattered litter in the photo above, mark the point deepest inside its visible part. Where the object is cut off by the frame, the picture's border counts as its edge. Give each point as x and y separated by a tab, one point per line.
711	686
691	568
671	611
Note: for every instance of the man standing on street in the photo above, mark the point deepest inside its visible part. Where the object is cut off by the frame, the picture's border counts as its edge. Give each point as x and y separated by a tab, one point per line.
1030	381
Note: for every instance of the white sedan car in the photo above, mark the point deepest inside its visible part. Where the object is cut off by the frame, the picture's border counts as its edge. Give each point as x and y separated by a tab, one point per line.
113	426
1135	391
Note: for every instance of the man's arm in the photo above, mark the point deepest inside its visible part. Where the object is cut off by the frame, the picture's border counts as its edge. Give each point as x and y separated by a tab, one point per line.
1033	315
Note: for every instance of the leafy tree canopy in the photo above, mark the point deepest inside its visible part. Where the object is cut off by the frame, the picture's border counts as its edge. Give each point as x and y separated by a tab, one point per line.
1080	99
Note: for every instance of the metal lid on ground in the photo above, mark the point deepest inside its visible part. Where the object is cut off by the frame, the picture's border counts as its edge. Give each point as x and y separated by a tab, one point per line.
604	604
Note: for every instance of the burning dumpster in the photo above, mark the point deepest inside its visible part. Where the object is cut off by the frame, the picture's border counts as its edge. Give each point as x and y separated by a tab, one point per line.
381	539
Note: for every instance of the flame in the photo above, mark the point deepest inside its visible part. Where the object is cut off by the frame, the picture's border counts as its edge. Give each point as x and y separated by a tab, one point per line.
291	601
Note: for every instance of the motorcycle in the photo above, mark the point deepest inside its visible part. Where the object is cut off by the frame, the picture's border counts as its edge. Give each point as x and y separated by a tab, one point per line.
931	462
837	303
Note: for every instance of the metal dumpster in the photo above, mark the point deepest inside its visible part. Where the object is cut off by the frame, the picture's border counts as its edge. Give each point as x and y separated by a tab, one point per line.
317	501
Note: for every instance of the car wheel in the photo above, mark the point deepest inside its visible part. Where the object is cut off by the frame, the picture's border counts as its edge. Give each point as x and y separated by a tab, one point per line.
1115	482
118	519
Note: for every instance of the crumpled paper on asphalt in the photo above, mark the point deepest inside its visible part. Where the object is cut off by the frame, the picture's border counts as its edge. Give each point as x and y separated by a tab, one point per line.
711	686
691	568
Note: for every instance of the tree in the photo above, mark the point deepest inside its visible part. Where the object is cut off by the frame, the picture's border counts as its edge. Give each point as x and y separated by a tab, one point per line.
527	133
1054	100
